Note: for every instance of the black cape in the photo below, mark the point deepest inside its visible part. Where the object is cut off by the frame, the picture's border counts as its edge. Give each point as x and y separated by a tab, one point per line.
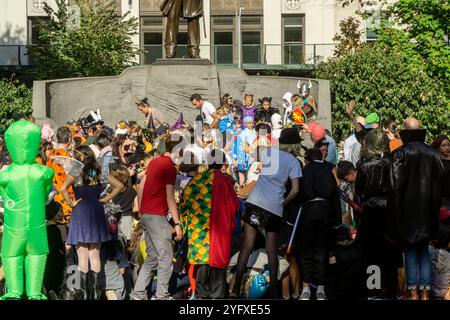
415	184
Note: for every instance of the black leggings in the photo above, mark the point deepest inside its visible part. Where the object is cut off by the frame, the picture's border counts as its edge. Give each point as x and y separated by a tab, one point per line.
247	244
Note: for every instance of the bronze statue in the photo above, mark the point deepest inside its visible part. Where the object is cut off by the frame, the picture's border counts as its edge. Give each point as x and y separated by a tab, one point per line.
191	10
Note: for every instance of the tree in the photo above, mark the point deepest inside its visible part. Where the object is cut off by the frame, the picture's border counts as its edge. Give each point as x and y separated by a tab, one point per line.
15	102
362	3
97	44
424	36
349	39
383	81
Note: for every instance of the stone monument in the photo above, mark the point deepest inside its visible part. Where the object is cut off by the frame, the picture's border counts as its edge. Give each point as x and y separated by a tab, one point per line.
168	88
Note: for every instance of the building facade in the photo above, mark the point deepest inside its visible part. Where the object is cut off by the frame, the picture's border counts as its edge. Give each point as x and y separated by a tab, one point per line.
282	33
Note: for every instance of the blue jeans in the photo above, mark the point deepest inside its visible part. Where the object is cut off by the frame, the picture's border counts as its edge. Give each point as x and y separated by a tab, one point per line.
418	267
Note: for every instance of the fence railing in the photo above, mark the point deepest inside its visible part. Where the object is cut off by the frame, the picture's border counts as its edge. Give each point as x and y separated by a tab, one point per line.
288	54
269	54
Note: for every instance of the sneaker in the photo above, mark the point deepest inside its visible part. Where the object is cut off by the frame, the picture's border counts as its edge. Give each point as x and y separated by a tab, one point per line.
137	297
306	295
320	295
376	297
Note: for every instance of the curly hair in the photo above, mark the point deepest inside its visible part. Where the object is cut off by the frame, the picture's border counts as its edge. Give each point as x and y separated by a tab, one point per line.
376	144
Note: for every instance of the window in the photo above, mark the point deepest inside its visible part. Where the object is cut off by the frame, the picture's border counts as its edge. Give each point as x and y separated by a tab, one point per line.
34	25
373	22
182	45
223	47
152	46
293	39
152	29
251	47
224	42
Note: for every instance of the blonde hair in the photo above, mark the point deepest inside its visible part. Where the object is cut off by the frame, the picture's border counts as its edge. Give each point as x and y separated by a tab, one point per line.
251	96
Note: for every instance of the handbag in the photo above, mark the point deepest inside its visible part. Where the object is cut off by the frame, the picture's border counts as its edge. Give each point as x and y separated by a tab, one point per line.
111	220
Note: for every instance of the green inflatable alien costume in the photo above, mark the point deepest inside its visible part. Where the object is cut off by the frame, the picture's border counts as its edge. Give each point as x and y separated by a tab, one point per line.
24	187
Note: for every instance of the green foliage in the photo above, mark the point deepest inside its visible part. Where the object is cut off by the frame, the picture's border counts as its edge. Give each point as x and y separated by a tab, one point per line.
424	38
361	3
385	82
97	44
15	102
406	73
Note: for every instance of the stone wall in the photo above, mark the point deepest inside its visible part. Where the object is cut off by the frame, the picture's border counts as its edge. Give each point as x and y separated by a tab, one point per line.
168	88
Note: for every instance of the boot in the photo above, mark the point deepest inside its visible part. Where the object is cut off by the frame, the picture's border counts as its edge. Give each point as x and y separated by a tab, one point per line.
235	285
424	294
93	285
194	53
81	293
412	295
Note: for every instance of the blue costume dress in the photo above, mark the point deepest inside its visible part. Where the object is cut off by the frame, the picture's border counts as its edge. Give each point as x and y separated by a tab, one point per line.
88	221
239	154
226	124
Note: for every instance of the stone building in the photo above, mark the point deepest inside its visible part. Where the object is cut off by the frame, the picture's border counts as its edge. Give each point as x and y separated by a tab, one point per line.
274	33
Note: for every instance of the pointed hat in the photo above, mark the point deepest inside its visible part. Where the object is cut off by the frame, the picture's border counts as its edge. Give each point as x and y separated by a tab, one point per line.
179	123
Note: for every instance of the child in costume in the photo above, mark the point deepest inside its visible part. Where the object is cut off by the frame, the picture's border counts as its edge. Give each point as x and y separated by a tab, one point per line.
226	119
248	109
241	145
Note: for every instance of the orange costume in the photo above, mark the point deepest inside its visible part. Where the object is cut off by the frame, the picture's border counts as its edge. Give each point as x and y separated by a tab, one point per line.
58	180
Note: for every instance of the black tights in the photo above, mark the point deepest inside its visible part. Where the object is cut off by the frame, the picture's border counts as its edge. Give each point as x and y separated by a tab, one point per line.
246	249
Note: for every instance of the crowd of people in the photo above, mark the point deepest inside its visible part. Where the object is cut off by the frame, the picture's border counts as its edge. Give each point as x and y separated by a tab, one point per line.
251	201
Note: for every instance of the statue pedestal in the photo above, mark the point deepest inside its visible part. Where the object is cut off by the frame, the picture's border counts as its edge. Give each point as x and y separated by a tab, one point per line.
168	83
182	61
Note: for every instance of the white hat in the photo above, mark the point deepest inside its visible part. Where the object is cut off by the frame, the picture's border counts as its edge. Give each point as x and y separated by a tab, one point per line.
277	122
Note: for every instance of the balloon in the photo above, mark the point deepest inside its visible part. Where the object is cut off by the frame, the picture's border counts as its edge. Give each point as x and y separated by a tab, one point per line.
256	285
24	187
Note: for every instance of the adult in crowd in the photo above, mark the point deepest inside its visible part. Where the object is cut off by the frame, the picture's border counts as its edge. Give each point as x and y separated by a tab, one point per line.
208	111
320	213
265	213
151	114
414	199
391	130
208	208
62	149
88	226
352	147
317	133
156	197
371	190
